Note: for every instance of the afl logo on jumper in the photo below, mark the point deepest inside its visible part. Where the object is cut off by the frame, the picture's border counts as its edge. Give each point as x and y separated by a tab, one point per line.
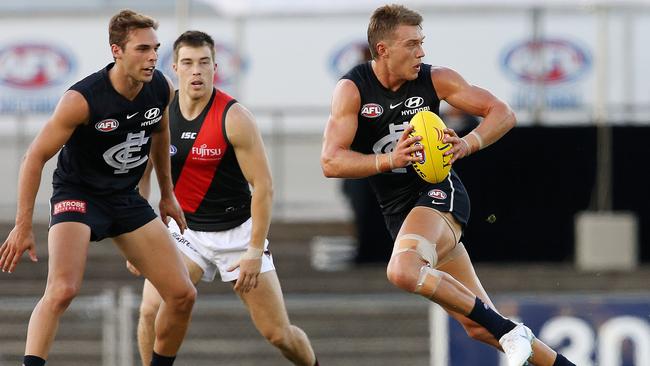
413	102
107	125
34	65
437	194
172	150
372	110
121	156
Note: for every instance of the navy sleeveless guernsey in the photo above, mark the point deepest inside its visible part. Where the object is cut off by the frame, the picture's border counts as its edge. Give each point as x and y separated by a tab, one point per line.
108	155
383	116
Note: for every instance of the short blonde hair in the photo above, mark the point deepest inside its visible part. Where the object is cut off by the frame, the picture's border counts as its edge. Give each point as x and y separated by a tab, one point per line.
385	20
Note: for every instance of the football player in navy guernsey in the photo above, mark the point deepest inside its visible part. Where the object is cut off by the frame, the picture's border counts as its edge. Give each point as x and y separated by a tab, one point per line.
367	135
217	151
106	127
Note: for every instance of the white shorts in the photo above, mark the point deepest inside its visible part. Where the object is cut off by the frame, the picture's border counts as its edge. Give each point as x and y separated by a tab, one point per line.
212	250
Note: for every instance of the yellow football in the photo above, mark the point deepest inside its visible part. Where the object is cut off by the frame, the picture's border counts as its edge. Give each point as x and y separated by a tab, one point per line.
433	166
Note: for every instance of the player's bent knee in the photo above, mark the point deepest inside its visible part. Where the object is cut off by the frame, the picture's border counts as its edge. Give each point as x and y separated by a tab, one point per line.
414	243
182	300
279	337
59	297
149	310
404	278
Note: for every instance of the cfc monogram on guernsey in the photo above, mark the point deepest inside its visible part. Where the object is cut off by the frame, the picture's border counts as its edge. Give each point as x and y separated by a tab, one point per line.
108	154
208	180
383	116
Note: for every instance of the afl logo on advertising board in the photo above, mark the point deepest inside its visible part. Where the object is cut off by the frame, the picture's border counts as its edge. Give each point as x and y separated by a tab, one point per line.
229	64
371	110
34	65
562	61
107	125
347	56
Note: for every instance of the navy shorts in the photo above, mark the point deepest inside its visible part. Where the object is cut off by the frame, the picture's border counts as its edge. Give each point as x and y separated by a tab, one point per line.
447	196
107	216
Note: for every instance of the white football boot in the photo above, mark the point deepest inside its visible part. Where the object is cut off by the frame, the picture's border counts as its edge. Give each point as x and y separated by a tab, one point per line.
517	345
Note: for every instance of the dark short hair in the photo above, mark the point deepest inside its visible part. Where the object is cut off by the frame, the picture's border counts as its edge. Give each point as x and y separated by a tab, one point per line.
385	20
125	21
193	38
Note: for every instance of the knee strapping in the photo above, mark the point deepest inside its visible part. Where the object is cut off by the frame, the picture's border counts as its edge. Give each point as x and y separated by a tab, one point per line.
419	245
428	281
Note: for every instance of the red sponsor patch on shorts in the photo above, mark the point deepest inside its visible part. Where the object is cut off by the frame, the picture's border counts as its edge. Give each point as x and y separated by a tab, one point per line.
69	206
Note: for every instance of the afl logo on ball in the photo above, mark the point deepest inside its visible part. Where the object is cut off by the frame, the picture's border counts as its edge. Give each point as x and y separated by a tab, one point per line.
437	194
420	154
372	110
107	125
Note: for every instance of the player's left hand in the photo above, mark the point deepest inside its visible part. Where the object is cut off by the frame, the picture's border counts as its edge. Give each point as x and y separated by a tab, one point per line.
460	147
169	207
250	265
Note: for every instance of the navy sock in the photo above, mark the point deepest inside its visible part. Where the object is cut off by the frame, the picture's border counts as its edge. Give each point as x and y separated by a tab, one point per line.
562	361
159	360
33	361
490	319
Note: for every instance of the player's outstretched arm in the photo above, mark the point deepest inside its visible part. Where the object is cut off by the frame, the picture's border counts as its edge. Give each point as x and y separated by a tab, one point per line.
246	140
337	159
71	112
498	117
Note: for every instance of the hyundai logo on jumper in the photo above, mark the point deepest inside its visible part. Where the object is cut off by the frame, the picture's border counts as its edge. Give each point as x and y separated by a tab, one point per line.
34	65
557	64
230	64
347	56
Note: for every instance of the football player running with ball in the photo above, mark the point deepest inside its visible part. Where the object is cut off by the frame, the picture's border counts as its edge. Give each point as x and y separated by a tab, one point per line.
367	135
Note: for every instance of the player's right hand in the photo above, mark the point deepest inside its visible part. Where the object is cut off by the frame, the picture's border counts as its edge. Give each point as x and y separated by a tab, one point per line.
401	154
132	269
18	241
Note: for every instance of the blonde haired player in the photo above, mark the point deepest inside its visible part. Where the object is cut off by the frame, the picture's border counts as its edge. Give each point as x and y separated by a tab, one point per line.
367	135
217	151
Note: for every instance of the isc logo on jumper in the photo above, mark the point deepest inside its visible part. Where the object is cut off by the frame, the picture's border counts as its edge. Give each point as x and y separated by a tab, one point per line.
34	65
188	135
107	125
372	110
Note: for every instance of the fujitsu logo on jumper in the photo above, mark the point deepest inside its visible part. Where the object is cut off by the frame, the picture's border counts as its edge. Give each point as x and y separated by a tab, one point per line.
205	152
